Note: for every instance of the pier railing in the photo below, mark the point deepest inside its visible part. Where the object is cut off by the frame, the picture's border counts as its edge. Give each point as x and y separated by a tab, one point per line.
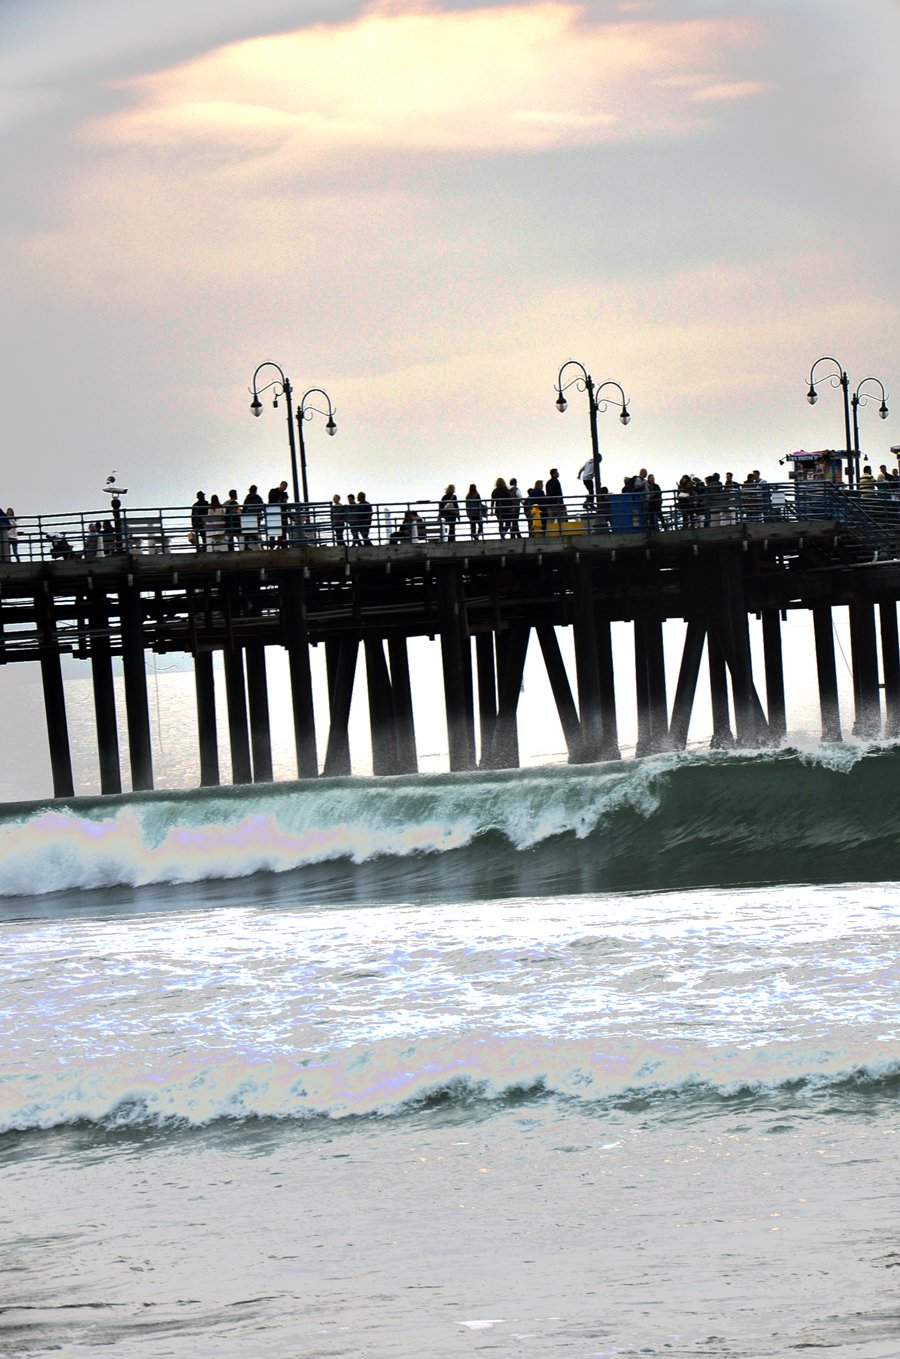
871	519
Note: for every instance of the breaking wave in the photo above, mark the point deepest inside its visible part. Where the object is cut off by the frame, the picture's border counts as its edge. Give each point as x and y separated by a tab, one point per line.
387	1080
669	821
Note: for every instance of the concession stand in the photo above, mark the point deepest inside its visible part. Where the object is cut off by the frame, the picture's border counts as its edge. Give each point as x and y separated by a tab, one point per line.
822	466
815	476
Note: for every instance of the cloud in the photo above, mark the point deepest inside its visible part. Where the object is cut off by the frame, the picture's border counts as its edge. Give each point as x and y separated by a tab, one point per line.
414	77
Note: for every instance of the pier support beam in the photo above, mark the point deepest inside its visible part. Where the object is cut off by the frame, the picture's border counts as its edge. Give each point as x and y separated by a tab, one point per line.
890	660
687	684
686	687
562	692
104	695
774	663
136	708
829	704
734	640
401	691
512	649
381	709
650	681
641	690
722	736
864	648
293	595
258	702
341	659
587	664
236	698
54	698
609	741
487	695
456	658
207	735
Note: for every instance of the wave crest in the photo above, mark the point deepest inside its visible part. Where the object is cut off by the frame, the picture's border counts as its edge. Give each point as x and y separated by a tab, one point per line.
665	821
387	1080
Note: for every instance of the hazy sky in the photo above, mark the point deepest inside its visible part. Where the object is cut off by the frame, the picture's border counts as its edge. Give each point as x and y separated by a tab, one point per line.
426	206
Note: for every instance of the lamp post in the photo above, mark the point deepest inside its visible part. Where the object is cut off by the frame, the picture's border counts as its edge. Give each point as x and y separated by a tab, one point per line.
585	383
282	387
306	412
837	379
858	399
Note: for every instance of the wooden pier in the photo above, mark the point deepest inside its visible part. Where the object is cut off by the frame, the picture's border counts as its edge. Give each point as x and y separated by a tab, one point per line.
367	602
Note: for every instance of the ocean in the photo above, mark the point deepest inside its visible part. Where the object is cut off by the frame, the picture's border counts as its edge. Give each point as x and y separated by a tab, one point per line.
582	1061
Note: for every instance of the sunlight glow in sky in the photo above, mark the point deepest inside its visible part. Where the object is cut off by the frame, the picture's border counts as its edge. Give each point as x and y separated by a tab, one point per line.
420	78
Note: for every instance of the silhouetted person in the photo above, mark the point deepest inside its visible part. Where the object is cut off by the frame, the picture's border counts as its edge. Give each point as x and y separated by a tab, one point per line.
199	512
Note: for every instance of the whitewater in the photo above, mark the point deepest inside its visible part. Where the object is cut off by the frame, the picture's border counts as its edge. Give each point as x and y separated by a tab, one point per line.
563	1061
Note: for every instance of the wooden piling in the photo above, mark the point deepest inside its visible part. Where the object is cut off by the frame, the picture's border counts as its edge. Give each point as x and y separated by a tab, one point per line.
131	617
486	668
207	734
562	692
54	697
381	709
774	666
722	735
341	660
238	731
401	693
864	652
513	647
296	639
258	705
456	659
586	663
609	738
104	694
686	686
829	704
655	681
890	661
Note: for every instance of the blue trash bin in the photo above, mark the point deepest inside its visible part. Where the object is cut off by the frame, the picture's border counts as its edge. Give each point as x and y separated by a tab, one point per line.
628	512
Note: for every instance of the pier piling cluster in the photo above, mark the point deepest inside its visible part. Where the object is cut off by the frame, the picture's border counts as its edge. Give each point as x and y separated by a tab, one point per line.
485	604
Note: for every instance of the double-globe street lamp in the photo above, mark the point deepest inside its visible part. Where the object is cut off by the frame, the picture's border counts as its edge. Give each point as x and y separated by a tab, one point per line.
837	376
585	383
282	387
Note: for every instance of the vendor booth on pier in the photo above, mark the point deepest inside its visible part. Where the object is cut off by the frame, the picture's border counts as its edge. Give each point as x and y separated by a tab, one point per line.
825	465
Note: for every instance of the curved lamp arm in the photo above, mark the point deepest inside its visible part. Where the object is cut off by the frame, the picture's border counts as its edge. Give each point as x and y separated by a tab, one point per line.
582	378
624	414
838	379
306	412
281	383
860	397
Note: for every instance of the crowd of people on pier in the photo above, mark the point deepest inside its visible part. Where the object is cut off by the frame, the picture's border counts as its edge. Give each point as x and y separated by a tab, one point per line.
544	508
697	502
252	521
233	524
